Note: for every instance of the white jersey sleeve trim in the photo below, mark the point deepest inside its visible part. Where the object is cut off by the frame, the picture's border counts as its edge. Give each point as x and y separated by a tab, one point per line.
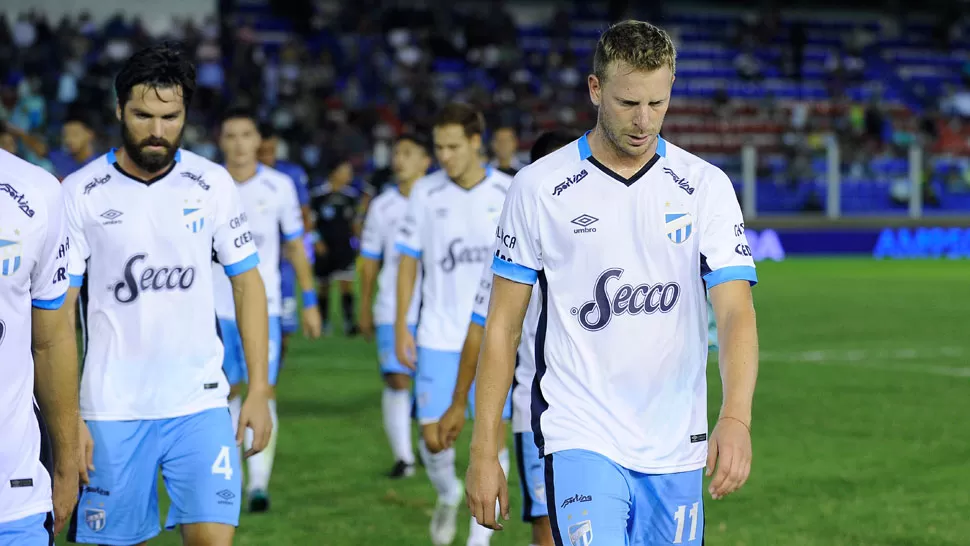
50	305
242	266
77	281
514	272
403	249
478	319
376	256
287	237
731	273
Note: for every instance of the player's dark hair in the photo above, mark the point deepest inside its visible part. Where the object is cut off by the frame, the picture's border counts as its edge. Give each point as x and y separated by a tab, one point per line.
239	112
266	130
161	66
467	117
78	116
418	139
549	142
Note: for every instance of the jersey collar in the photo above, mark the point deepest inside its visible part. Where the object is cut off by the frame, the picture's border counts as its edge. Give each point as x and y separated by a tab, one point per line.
112	160
587	154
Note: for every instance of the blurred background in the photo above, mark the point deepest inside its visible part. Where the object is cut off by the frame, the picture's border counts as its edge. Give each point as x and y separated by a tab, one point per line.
826	108
843	124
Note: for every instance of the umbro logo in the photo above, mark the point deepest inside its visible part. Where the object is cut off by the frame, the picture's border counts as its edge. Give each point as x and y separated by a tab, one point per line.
111	215
584	221
227	497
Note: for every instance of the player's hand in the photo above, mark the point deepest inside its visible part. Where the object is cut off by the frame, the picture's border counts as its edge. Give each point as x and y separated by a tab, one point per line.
255	415
312	322
365	323
65	491
405	348
730	449
320	248
85	452
450	424
484	483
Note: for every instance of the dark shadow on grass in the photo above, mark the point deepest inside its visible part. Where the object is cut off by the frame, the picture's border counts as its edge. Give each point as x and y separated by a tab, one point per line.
327	406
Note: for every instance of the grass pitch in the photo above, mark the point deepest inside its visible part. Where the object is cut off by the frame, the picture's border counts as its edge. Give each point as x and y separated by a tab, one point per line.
860	431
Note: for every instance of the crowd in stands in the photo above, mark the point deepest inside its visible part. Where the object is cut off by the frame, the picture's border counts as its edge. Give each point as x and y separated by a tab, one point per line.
787	86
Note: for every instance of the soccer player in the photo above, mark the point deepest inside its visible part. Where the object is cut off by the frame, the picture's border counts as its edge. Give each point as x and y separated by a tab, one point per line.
268	149
334	203
144	221
271	206
78	146
505	146
531	470
37	347
447	234
411	160
622	231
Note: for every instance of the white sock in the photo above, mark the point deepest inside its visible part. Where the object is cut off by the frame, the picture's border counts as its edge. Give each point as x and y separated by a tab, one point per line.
478	535
397	423
235	407
441	471
260	465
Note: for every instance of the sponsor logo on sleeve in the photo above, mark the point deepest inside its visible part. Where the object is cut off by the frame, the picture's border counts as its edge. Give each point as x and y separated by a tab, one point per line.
569	181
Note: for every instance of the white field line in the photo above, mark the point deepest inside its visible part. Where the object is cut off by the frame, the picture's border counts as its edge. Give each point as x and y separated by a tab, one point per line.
898	360
882	359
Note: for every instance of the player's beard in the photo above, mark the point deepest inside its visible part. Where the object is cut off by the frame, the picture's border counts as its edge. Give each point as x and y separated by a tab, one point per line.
148	161
617	136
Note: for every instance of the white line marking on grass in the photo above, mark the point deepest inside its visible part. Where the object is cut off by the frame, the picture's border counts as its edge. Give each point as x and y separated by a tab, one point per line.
882	359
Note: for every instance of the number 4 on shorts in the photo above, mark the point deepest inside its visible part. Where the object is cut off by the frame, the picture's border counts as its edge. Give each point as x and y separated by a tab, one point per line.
679	518
223	464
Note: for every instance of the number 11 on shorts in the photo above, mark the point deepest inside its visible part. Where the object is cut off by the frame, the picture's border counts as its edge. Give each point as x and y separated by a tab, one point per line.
679	518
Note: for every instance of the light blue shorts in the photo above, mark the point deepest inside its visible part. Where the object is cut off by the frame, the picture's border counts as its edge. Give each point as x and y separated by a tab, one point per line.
386	354
36	530
593	498
234	361
532	477
435	386
200	467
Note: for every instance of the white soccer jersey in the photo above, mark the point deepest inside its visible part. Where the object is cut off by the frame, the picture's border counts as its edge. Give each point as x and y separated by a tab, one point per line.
272	209
622	266
383	220
33	274
450	229
525	363
151	349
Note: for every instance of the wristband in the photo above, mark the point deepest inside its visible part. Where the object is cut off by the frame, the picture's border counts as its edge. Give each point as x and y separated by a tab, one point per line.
309	299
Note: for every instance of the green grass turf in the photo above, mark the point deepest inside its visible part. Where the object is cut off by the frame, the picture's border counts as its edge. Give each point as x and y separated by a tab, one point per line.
860	435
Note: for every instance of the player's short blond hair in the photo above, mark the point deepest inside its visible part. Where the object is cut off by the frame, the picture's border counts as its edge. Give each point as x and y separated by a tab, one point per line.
637	43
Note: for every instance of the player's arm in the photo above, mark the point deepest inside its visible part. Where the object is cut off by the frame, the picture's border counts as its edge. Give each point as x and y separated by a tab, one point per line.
516	265
407	275
303	196
496	368
291	224
409	244
729	272
371	253
236	251
453	420
738	341
249	294
54	347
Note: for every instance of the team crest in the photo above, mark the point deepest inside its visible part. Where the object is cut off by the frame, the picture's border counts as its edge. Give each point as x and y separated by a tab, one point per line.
95	519
581	534
679	226
194	219
10	257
